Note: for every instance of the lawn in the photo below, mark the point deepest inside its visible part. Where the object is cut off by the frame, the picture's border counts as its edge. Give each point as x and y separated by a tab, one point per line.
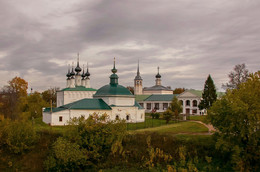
41	126
177	128
149	123
201	118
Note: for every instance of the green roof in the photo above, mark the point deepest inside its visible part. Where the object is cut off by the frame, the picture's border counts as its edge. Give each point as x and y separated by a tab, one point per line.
196	92
161	97
135	105
113	89
79	88
90	104
199	93
141	97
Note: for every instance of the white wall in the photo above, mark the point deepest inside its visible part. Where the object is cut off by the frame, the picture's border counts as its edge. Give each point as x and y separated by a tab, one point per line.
65	97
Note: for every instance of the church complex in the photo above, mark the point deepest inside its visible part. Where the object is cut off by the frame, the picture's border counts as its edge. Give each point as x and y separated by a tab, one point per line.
117	102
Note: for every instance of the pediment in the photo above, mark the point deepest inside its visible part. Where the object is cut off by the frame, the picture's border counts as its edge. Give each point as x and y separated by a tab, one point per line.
187	94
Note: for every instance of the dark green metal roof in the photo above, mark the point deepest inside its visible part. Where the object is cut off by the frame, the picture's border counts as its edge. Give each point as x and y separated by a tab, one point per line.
140	98
161	97
135	105
79	88
90	104
113	89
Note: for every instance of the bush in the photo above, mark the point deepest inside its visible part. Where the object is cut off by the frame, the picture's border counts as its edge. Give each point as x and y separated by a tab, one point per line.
17	136
91	141
155	115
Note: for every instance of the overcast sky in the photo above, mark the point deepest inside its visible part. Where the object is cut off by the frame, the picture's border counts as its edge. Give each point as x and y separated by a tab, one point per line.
188	39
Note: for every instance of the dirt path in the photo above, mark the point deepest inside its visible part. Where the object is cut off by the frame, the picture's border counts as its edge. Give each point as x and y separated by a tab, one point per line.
209	126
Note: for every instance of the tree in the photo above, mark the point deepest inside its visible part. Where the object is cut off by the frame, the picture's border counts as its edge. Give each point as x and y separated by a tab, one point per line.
236	77
178	90
209	95
86	143
131	89
236	116
173	110
50	96
34	105
11	97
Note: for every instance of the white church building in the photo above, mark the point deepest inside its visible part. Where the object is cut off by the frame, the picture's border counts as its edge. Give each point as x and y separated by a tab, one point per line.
79	99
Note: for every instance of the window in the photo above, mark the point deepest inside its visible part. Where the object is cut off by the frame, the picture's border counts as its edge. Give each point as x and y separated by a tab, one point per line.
141	104
194	111
156	106
165	106
187	103
187	111
60	119
127	117
194	103
148	106
181	102
117	117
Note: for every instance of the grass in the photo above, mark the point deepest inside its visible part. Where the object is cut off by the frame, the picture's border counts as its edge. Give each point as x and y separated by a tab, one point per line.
201	118
149	123
181	127
41	126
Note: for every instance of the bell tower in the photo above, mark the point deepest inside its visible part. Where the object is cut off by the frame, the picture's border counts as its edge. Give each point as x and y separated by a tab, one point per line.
138	83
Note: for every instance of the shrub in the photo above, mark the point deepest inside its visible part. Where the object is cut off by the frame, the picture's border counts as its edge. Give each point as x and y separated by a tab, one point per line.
91	141
18	136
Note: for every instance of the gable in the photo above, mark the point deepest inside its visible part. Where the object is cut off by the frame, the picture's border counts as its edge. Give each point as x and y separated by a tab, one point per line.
188	94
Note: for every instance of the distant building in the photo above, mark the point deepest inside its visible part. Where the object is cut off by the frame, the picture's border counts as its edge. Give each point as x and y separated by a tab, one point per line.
158	98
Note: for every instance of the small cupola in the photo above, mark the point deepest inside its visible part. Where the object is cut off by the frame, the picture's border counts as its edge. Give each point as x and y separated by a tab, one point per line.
114	77
158	74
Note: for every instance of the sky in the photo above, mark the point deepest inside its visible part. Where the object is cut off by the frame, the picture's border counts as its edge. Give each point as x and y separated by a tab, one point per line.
187	39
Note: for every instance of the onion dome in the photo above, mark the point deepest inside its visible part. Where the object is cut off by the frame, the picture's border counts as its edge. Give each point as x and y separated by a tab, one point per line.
78	69
158	75
72	73
87	73
68	74
83	73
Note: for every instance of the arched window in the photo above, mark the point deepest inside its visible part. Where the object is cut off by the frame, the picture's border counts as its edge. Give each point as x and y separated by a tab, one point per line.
187	103
117	117
194	103
127	117
181	102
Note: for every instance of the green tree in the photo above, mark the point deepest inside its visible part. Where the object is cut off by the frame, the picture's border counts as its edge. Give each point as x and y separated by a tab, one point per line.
17	136
50	96
34	104
91	140
236	77
209	95
173	110
236	116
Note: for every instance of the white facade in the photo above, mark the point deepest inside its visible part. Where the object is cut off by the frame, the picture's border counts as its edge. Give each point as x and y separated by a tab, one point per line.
190	103
66	97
